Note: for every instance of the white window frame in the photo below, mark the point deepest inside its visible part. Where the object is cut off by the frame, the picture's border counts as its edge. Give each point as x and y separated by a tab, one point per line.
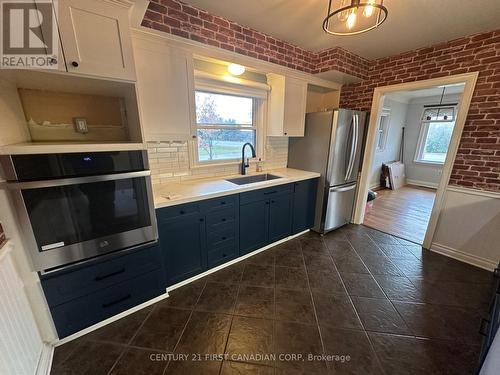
259	97
383	133
424	129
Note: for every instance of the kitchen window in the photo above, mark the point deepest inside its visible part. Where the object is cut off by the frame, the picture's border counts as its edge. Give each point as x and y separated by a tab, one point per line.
435	134
224	123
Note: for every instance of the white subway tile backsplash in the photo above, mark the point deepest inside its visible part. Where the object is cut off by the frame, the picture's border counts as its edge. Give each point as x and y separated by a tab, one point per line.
169	161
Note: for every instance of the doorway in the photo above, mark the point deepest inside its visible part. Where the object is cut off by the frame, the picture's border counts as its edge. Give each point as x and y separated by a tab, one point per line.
413	137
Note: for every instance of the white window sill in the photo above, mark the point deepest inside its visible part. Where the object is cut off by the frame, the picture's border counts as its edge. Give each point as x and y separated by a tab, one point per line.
429	163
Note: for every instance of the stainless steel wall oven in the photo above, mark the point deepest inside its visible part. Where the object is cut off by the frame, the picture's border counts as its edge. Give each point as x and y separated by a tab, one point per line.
76	206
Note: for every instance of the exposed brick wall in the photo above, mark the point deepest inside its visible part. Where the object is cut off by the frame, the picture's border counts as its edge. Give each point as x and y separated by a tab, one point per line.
177	18
477	164
478	160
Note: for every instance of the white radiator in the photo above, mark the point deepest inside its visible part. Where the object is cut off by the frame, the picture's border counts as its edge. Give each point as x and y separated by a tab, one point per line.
20	342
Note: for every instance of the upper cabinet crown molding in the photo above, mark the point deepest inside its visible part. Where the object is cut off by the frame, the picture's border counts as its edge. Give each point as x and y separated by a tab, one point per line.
95	37
287	106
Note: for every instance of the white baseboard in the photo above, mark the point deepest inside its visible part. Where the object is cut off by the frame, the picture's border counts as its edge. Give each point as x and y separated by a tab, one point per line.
431	185
474	260
45	360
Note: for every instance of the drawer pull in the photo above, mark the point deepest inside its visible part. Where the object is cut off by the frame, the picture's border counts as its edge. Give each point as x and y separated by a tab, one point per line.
202	220
223	219
223	202
100	278
109	304
270	192
182	212
224	238
224	255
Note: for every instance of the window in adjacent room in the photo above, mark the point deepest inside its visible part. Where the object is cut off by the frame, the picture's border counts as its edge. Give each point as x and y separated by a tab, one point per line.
435	134
224	122
383	129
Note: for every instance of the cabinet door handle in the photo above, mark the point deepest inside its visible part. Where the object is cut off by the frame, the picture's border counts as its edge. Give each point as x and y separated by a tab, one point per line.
267	202
223	219
202	220
224	255
103	277
270	192
182	212
109	304
273	201
224	238
75	64
223	202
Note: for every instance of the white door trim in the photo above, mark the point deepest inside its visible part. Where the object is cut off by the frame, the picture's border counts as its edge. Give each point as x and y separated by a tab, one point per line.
469	79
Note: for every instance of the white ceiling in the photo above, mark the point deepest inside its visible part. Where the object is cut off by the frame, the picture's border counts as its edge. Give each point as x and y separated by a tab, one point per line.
406	96
411	23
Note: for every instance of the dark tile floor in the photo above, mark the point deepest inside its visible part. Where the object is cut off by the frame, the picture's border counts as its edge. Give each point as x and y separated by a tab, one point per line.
358	300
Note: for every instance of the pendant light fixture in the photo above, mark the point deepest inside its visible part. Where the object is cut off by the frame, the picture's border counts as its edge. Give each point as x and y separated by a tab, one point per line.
351	17
440	112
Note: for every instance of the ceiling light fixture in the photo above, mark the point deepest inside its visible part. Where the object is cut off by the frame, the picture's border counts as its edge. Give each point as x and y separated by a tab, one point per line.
236	69
351	17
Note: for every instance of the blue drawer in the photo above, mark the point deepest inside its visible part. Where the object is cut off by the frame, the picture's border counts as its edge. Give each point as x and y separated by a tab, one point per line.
218	203
81	313
263	194
88	279
221	237
222	254
220	219
177	212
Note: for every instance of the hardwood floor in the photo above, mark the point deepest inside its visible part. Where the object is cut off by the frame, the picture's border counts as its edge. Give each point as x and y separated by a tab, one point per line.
404	212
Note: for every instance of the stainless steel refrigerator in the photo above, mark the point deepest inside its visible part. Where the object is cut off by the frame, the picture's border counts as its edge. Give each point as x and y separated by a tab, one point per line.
333	146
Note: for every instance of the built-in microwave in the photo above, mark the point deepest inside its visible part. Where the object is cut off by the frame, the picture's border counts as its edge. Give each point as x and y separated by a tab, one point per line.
76	206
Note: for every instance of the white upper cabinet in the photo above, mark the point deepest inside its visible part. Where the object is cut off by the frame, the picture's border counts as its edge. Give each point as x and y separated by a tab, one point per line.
287	106
166	89
95	38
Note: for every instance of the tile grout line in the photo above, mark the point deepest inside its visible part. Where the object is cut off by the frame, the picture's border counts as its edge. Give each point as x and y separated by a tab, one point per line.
127	345
232	318
379	361
313	303
185	325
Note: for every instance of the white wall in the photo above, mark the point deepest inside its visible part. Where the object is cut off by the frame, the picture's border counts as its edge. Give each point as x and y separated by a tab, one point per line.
468	227
420	173
29	278
391	152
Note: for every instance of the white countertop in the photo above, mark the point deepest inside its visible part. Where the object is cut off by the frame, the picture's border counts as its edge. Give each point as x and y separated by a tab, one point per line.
171	194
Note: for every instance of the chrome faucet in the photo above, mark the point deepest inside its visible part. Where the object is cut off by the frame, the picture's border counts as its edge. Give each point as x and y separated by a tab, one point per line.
244	165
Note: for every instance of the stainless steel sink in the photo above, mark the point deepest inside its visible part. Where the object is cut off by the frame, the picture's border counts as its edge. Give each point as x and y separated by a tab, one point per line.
252	179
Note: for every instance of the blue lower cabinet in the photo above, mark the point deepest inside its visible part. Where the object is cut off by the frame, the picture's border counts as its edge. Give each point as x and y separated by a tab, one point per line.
304	205
90	277
183	247
280	217
254	226
83	312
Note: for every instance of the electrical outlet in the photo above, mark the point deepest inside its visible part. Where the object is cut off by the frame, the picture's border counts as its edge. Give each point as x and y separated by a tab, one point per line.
81	125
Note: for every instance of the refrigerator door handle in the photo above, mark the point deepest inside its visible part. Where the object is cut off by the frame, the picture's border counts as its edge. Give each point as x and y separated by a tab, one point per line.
342	189
352	152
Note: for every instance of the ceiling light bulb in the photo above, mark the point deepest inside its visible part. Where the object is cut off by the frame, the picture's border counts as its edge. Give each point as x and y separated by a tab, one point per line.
236	69
343	15
368	12
351	19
